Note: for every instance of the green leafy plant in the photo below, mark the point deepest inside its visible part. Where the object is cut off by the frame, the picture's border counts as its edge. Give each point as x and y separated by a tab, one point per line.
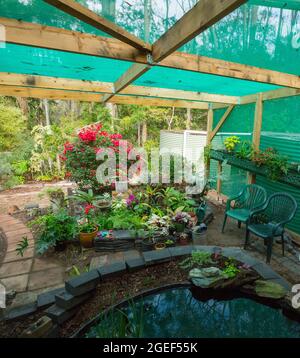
207	150
176	200
54	228
231	142
198	258
90	198
169	242
22	246
120	220
245	150
230	269
75	271
276	164
120	323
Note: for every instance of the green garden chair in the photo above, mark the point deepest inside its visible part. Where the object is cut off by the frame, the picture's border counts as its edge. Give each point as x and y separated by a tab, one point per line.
252	197
269	221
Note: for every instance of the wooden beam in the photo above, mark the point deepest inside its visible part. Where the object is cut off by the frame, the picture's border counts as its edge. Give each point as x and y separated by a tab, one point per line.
257	123
223	68
256	131
16	79
221	122
219	180
20	80
56	94
210	121
82	13
268	95
203	15
29	34
146	101
49	94
178	94
134	72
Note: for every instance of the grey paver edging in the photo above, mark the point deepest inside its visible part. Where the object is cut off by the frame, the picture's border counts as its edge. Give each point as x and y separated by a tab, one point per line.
80	288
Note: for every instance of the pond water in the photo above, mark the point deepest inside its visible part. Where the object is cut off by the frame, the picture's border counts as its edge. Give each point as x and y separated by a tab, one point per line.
175	313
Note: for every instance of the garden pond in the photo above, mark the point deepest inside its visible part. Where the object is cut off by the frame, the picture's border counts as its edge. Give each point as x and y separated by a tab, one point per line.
176	312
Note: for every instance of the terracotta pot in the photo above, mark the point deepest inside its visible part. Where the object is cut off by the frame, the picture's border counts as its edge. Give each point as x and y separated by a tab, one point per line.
160	246
87	238
183	241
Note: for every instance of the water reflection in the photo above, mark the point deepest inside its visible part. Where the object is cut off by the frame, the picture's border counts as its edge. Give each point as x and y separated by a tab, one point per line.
176	313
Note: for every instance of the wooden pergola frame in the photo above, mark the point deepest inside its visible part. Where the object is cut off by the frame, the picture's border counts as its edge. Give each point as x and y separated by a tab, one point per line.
125	46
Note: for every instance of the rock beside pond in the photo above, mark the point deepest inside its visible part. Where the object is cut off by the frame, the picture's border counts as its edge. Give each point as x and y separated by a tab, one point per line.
205	277
269	289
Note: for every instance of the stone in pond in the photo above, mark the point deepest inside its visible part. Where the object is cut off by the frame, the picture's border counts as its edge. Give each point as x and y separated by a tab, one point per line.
205	272
269	289
205	277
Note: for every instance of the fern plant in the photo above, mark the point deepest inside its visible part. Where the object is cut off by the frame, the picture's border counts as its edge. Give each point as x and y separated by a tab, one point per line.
22	246
198	258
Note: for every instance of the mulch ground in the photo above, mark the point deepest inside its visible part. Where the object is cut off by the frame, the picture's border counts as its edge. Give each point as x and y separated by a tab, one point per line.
128	285
109	292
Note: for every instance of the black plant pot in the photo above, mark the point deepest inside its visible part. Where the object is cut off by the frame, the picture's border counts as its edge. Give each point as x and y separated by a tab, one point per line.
147	245
60	246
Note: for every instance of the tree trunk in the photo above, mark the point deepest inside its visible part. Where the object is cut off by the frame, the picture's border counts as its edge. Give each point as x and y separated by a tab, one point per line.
58	163
139	134
23	104
144	132
47	113
188	118
170	121
147	19
109	9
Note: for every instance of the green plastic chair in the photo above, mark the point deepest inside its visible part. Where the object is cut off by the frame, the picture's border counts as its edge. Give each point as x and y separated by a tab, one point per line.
252	197
269	221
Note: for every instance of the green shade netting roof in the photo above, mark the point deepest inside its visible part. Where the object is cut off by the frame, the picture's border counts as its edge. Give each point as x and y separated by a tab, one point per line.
200	82
43	62
261	36
262	33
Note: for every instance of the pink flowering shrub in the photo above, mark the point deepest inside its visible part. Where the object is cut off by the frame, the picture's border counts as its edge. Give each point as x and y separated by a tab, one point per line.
80	157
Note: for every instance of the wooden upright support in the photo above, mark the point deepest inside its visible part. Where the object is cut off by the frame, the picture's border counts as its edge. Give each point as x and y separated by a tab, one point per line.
219	180
256	131
210	120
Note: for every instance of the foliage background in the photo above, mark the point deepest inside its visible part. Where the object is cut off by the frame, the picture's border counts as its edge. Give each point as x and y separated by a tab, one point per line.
32	132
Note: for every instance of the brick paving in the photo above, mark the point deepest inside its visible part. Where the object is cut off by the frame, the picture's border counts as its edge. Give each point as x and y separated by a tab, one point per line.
27	275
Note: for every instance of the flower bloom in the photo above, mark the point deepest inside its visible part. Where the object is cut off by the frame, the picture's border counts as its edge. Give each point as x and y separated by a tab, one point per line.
88	208
87	135
115	136
68	147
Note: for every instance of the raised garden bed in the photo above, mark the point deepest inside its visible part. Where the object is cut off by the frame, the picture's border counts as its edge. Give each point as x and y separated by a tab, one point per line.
291	178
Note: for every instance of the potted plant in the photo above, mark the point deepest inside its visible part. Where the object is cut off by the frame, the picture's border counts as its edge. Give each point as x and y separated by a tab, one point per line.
160	246
170	243
54	230
87	227
159	224
181	220
183	239
147	244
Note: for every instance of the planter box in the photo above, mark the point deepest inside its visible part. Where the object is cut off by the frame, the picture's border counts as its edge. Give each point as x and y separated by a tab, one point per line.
292	178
